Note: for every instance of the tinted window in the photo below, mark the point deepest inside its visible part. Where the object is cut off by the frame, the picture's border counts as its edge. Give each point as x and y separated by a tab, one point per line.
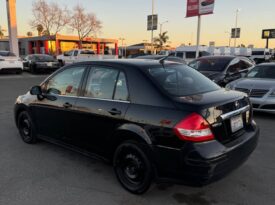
262	72
181	80
190	54
66	82
257	53
42	58
235	66
101	83
211	64
87	52
121	92
245	64
75	53
179	54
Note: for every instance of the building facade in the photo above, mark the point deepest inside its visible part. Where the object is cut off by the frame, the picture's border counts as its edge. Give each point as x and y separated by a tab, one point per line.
57	44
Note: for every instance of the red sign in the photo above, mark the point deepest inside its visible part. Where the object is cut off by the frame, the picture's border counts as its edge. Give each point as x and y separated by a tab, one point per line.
199	7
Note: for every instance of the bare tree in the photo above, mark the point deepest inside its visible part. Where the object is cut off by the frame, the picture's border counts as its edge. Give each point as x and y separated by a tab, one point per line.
84	23
50	16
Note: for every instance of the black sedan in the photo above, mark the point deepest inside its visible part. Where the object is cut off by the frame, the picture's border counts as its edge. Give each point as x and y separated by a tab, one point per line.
154	121
222	69
40	63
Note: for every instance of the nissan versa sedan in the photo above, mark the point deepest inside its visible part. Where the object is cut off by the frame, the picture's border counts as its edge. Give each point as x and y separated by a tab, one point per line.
155	121
259	85
40	63
222	69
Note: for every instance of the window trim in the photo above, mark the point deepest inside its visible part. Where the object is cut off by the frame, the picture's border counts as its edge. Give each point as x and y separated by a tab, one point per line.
84	85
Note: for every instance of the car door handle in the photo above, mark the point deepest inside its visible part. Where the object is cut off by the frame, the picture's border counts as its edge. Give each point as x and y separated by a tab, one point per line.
67	105
114	112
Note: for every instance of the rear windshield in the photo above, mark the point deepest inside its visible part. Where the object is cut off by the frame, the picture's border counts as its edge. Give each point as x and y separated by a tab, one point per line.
6	53
210	64
181	80
42	58
262	72
87	52
257	53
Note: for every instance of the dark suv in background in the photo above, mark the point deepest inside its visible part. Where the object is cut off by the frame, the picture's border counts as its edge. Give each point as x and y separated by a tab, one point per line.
153	120
222	69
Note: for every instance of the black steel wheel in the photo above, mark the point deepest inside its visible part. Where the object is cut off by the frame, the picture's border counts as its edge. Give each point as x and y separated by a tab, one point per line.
133	168
26	128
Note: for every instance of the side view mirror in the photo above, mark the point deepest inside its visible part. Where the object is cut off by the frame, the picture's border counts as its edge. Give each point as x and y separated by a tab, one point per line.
36	90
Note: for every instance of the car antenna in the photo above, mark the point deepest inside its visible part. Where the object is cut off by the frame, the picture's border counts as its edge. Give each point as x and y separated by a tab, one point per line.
161	61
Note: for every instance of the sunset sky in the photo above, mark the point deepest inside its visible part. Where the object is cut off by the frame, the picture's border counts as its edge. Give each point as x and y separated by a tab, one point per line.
127	19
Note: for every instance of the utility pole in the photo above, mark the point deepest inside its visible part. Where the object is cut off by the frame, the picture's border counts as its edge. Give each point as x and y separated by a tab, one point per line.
160	26
198	36
13	41
236	25
152	29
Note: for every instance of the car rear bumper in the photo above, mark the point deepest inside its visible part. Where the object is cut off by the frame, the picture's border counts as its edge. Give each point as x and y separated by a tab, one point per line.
8	66
199	164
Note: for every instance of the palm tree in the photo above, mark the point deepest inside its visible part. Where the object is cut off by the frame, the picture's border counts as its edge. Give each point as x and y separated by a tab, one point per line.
40	29
161	40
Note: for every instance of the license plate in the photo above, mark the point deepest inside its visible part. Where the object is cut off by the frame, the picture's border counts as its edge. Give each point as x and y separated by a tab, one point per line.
50	64
12	62
236	123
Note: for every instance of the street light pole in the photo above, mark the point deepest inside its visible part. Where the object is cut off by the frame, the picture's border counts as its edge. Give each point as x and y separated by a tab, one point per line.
122	39
160	26
236	25
152	29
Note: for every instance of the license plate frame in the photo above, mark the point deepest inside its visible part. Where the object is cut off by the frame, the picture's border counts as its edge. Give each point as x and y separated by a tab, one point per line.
236	123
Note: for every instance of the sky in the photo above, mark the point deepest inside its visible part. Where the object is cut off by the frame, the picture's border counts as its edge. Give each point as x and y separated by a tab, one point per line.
127	19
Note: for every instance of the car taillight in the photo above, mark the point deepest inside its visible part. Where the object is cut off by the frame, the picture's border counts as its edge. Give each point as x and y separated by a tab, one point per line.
194	128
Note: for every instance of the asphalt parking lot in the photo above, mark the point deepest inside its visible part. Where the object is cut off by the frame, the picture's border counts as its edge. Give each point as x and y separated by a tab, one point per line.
48	174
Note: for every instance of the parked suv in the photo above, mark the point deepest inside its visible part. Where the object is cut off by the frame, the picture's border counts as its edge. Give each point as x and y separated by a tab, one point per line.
153	120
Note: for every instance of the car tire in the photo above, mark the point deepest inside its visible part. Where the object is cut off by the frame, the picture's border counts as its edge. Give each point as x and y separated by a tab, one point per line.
132	167
32	69
26	128
19	72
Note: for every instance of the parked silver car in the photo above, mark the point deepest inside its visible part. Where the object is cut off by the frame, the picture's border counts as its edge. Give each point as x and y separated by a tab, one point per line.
259	85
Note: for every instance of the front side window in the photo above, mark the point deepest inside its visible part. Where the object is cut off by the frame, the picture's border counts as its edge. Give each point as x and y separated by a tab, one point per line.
65	83
234	66
211	64
101	83
181	80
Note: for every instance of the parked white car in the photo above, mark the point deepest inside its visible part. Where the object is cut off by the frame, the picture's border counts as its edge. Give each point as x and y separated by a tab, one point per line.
10	62
78	55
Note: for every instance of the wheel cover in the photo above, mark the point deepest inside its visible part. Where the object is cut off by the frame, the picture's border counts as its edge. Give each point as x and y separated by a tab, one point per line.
25	127
131	168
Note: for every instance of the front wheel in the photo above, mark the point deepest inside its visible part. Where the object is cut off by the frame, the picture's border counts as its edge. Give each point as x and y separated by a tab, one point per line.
133	168
26	128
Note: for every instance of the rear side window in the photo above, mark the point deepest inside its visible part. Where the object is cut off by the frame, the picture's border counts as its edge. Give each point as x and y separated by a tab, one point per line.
101	83
121	92
181	80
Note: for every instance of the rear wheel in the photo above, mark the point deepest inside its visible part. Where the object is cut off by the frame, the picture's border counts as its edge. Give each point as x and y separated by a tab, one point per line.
26	128
133	168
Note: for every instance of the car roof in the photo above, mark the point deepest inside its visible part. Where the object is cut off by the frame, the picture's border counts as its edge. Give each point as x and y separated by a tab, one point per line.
141	63
219	57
